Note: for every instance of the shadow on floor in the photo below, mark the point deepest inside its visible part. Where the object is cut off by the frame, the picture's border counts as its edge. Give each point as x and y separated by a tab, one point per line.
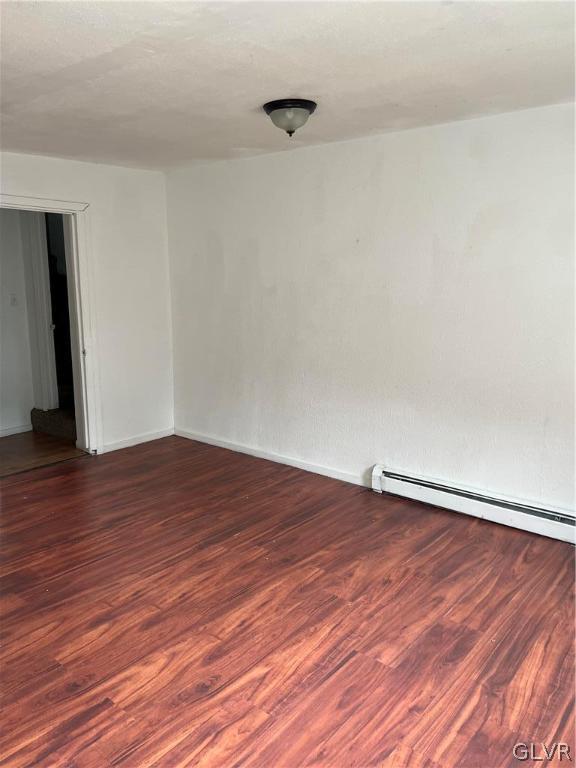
29	450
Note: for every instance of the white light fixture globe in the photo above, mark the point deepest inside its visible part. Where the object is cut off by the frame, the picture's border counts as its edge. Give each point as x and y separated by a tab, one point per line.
289	114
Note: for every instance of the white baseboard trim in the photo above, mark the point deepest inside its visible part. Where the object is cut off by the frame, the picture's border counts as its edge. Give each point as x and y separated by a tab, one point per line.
279	458
435	497
15	430
471	502
145	437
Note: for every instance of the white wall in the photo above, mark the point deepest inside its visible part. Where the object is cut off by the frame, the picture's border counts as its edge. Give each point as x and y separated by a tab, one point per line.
405	299
16	384
129	274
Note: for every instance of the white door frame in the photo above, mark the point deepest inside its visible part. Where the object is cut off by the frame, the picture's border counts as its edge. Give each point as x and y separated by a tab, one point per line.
82	325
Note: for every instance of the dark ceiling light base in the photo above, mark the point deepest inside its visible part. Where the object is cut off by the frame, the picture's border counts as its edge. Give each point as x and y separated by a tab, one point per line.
289	114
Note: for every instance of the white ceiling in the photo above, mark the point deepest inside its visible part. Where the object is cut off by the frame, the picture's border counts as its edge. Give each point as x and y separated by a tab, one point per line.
155	84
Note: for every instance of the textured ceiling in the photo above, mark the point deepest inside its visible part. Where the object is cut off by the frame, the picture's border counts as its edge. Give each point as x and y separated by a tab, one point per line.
155	84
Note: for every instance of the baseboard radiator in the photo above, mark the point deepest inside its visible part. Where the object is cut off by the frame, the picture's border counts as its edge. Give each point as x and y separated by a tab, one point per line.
557	524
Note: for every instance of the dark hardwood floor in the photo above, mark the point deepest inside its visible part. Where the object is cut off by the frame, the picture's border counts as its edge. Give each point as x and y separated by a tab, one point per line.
176	604
28	450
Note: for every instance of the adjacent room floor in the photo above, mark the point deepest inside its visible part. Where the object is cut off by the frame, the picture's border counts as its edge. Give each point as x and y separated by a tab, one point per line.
176	604
28	450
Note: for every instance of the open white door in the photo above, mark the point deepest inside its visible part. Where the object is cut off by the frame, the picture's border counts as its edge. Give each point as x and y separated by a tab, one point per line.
39	306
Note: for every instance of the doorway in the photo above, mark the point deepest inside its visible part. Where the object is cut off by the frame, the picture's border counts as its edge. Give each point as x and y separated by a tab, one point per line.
59	421
38	374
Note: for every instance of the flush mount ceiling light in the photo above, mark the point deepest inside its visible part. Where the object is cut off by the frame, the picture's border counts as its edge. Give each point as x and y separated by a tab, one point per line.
289	114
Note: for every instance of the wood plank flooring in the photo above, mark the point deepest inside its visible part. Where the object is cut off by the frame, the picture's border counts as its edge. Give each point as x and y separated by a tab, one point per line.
28	450
176	604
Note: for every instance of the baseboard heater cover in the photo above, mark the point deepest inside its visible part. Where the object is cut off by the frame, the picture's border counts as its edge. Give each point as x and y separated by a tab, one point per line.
557	524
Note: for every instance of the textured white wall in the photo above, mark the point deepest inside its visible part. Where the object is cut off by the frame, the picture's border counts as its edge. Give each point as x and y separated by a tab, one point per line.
130	282
405	299
16	385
